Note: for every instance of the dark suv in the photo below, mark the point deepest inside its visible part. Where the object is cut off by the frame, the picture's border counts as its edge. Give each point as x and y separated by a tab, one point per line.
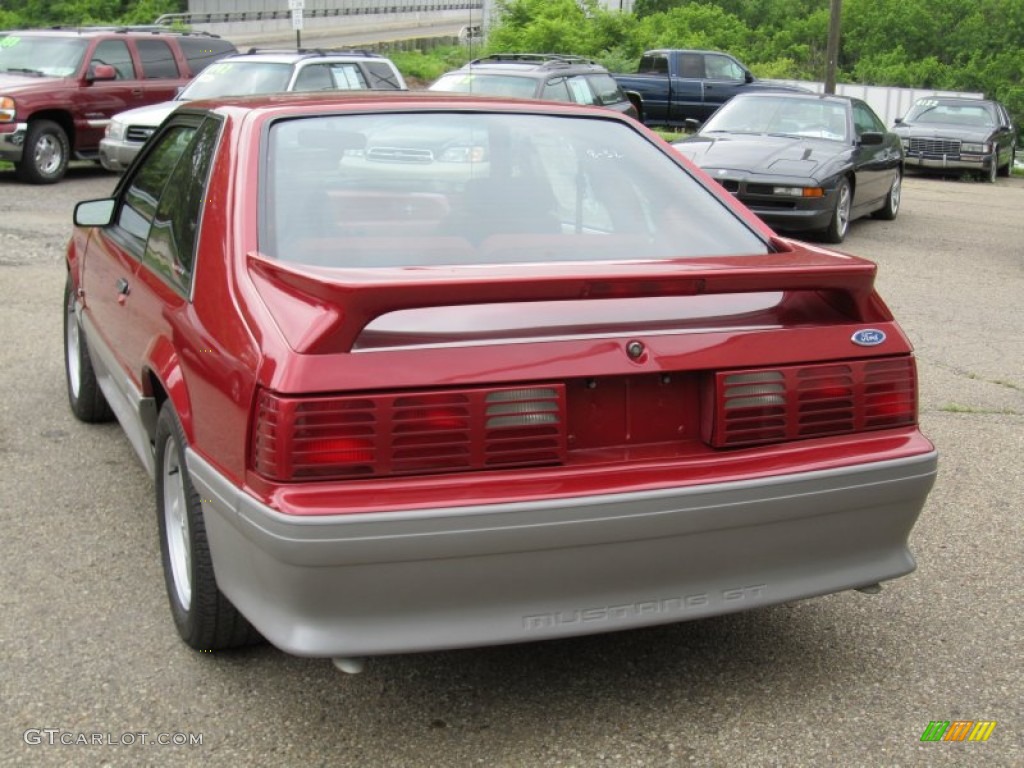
549	76
60	87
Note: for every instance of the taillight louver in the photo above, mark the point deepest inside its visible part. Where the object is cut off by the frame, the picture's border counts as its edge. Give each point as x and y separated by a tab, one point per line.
525	426
754	405
760	406
413	433
890	393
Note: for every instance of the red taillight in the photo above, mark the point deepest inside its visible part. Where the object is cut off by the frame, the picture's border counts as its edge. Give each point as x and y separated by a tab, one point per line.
415	433
794	402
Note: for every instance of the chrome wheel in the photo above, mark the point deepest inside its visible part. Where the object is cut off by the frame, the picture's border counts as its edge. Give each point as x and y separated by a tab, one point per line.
843	210
49	154
840	222
176	528
894	194
72	340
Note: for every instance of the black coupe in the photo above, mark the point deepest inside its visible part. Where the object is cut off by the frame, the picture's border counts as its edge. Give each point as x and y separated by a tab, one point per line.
802	162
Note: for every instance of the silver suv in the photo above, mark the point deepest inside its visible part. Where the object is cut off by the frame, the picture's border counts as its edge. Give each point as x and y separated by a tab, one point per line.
254	72
550	76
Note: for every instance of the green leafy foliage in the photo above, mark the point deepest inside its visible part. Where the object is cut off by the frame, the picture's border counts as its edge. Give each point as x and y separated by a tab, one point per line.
962	45
24	14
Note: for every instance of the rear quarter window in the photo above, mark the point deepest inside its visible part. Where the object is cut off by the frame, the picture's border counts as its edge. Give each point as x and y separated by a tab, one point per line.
157	59
200	52
606	89
382	76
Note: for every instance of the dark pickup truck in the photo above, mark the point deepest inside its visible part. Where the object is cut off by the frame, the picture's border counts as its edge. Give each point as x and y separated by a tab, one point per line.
672	86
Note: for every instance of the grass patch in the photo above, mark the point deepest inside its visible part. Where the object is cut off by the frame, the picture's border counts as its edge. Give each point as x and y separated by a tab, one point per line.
957	408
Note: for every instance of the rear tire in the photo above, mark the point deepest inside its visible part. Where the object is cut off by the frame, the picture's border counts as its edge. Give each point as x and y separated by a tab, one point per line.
891	208
46	153
84	394
203	616
836	231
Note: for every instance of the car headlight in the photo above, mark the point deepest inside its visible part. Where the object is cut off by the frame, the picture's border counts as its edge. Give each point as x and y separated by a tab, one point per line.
799	191
974	148
471	154
115	130
7	111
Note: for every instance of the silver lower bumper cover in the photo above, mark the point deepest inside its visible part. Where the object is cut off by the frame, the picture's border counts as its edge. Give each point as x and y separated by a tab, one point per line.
12	143
366	584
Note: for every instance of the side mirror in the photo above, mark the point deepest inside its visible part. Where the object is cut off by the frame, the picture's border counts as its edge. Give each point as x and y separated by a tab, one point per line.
94	213
692	125
899	120
871	138
102	72
748	77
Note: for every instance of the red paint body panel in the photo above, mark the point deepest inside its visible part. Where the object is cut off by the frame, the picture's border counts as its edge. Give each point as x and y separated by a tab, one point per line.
253	322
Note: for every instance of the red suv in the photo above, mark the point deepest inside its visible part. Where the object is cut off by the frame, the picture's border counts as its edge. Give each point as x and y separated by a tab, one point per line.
59	88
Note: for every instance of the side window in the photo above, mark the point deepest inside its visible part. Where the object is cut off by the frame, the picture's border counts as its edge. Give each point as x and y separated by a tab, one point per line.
691	65
138	205
865	120
201	52
556	90
722	67
581	90
172	240
654	64
116	54
157	59
606	89
382	76
315	77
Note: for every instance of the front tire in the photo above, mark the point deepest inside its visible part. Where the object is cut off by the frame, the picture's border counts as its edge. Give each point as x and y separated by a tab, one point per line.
46	153
1007	170
84	394
891	208
993	167
203	616
836	231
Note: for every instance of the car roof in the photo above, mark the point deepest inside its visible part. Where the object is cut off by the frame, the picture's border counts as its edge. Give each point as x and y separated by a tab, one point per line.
335	102
531	64
968	100
290	56
797	95
130	31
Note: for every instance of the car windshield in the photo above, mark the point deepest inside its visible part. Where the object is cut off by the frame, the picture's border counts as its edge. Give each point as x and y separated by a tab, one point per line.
425	189
50	56
510	86
951	113
238	78
781	116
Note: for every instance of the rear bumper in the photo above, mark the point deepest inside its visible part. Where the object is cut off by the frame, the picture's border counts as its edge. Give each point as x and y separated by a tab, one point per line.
398	582
12	141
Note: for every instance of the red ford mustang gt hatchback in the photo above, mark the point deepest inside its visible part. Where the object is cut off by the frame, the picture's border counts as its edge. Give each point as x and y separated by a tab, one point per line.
431	371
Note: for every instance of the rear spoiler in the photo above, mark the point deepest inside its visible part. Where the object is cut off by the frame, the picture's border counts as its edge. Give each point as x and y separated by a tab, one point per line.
328	308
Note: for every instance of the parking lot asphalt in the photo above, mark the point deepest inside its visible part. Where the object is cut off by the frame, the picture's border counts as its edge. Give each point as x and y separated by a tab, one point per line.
88	651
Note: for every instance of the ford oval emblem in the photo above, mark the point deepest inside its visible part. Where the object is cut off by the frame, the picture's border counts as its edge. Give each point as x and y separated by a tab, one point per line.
868	337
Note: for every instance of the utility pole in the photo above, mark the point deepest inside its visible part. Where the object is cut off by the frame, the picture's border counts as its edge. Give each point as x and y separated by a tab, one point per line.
832	53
